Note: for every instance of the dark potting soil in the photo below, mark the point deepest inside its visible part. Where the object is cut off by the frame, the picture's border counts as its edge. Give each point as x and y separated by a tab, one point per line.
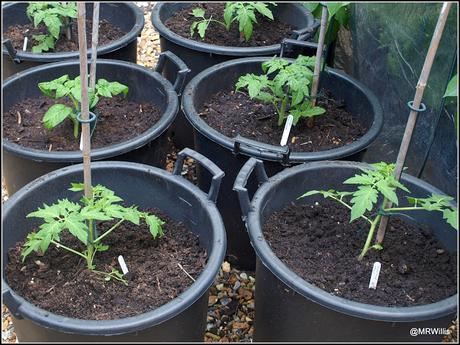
119	119
319	244
233	113
17	33
60	283
266	32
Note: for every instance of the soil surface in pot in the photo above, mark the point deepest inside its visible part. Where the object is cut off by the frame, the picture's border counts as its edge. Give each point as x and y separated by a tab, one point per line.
266	32
60	283
319	244
119	119
17	33
232	113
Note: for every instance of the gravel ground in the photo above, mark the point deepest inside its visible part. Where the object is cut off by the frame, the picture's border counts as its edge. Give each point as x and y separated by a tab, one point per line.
231	299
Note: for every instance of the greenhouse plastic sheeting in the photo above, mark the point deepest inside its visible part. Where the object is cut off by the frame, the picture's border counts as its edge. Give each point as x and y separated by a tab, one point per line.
389	42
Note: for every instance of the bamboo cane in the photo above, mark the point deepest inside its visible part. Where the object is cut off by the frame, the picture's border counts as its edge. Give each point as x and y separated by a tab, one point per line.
420	89
84	107
94	43
319	54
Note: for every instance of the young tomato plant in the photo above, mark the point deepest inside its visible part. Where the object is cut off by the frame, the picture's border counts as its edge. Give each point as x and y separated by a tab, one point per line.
378	182
78	219
54	15
71	88
242	12
288	90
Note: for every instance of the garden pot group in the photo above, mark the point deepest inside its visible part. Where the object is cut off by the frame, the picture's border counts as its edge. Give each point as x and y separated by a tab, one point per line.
200	55
231	153
226	221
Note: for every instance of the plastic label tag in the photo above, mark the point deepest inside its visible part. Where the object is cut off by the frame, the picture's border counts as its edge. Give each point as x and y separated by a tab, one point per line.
122	263
287	130
375	275
24	47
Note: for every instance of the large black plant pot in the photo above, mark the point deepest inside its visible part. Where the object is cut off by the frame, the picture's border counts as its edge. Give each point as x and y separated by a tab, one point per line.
231	153
125	15
288	308
22	165
183	318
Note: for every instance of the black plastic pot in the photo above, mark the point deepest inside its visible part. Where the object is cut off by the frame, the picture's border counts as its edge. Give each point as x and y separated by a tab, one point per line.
231	153
22	165
290	309
182	319
199	56
127	16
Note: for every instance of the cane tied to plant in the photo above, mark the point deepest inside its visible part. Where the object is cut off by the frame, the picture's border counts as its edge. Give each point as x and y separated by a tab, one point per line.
54	15
380	183
288	90
78	219
71	88
242	12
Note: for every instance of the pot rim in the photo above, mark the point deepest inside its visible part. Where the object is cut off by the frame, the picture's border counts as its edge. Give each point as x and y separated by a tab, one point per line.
314	293
144	320
213	48
266	151
153	132
105	49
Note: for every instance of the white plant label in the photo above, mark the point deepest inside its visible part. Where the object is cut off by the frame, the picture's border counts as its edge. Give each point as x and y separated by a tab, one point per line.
24	47
287	130
81	141
375	275
122	263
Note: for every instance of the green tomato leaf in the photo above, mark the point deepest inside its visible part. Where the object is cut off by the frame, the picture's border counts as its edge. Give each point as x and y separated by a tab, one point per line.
202	26
452	88
451	216
115	88
263	9
55	115
155	225
53	23
198	12
363	199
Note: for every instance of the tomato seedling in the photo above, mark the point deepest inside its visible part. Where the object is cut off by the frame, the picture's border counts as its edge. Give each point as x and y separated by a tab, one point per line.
78	219
378	182
71	88
242	12
287	91
54	15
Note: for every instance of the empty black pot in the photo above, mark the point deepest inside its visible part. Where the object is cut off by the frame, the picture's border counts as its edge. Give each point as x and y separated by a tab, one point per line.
289	308
183	318
231	153
125	15
22	165
199	55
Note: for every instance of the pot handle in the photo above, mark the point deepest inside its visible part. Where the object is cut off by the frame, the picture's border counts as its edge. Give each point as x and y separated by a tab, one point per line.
11	51
216	172
282	153
182	70
12	303
286	42
307	32
242	179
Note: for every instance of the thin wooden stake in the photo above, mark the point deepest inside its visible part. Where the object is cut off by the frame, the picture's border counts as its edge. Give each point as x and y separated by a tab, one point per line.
94	43
319	54
81	19
420	89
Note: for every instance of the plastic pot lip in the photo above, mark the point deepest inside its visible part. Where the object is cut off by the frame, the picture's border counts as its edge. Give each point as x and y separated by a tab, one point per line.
310	291
105	49
153	132
150	318
213	48
265	151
